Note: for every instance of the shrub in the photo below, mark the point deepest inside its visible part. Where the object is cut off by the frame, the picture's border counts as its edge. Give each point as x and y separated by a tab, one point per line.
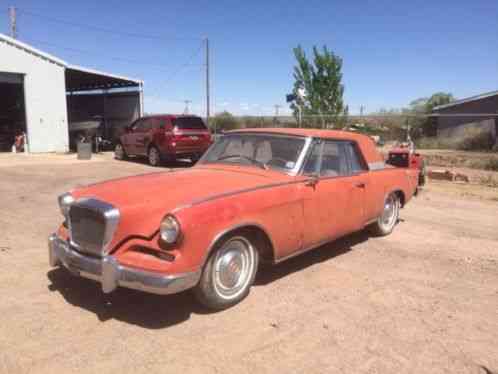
225	121
491	164
476	140
471	140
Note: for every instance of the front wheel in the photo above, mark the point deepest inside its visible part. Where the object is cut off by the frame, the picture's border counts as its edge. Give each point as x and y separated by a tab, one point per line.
119	152
228	274
389	217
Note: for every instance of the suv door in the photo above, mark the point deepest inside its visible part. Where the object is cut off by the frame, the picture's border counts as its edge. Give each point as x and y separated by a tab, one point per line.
129	138
334	195
143	136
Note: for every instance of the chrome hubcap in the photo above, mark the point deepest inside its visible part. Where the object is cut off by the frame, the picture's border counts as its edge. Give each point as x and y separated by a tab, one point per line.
233	267
390	212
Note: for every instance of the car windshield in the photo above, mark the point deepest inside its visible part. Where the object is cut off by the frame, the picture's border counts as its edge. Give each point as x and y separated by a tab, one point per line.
260	150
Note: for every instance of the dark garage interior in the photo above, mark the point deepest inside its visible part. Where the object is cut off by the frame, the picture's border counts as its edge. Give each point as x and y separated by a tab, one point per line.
12	109
100	104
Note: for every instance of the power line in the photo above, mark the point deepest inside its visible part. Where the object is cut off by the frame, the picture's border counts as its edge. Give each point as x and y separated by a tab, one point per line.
114	58
180	68
187	103
103	29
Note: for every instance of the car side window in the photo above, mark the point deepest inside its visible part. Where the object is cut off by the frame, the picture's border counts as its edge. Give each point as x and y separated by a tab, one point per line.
137	126
334	160
146	125
155	123
311	164
356	163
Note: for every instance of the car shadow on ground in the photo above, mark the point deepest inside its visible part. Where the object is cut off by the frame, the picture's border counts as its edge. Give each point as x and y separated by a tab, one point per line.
156	312
269	274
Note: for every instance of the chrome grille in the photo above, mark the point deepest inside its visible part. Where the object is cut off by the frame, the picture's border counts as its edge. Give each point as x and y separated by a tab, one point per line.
92	224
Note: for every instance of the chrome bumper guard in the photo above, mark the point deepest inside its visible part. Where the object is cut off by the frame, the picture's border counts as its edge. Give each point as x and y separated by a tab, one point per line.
111	274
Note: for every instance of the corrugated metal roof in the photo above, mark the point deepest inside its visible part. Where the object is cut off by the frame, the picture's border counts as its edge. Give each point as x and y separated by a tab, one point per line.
98	72
468	99
82	79
27	48
78	77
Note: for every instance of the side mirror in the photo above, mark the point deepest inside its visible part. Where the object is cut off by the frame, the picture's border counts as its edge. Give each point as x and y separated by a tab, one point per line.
312	181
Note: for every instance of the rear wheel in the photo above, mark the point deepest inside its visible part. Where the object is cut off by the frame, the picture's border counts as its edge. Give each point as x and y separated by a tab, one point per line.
119	152
228	274
154	156
195	158
389	217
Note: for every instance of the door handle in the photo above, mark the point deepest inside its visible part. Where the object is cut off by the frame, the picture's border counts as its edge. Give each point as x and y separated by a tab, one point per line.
360	185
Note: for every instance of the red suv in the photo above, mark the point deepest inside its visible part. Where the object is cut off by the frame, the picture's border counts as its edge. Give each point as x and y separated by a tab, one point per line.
164	138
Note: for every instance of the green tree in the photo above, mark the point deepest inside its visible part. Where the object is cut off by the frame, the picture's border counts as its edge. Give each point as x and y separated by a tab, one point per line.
424	126
225	121
321	80
425	105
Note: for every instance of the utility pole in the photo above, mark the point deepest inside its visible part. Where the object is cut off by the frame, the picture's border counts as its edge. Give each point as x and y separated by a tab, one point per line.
13	22
187	102
277	107
207	86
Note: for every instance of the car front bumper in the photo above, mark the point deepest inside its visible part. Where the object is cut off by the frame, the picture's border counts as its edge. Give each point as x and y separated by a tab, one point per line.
111	274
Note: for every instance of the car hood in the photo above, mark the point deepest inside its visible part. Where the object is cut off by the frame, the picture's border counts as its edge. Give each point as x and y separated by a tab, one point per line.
143	200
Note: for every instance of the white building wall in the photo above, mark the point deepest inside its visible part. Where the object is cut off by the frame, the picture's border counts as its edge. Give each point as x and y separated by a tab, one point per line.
45	97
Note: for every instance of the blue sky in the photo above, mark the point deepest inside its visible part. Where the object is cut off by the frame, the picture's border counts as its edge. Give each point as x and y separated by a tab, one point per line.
393	51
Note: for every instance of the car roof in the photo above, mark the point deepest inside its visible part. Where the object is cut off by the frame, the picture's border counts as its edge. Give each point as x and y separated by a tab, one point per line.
170	116
365	142
317	133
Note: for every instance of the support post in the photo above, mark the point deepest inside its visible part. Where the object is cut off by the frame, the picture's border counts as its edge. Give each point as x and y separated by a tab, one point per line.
207	86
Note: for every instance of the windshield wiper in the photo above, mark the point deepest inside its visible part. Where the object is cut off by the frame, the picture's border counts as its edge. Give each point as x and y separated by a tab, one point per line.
262	165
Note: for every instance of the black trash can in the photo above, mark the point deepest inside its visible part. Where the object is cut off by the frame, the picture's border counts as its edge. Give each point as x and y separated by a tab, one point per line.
84	151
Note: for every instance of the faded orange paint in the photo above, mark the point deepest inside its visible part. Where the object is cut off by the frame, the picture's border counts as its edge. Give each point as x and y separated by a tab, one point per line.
210	199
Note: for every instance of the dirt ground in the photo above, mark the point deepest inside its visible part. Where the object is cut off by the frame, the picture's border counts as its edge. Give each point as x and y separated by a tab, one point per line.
422	300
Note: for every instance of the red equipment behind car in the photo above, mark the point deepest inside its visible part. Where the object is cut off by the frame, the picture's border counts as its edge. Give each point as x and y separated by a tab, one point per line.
406	157
164	138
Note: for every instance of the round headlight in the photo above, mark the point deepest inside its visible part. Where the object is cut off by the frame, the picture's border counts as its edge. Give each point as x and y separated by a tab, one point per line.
65	202
170	229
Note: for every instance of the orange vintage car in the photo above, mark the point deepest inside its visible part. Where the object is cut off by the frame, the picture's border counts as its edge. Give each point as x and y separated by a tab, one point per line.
257	195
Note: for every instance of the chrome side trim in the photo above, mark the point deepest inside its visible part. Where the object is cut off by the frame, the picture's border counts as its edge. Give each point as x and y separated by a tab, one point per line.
111	274
378	165
244	190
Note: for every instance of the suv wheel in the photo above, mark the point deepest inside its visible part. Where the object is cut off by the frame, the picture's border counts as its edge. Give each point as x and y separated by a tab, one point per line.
154	156
119	152
228	274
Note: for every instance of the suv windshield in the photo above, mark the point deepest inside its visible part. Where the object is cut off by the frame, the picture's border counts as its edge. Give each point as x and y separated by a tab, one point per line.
189	123
260	150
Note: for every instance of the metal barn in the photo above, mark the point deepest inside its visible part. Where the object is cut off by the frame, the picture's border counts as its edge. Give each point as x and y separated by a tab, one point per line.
41	95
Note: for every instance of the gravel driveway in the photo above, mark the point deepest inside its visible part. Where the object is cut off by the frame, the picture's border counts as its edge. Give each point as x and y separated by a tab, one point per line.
423	300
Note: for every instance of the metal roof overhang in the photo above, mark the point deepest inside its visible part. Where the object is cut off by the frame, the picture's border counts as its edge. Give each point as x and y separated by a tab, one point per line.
83	79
